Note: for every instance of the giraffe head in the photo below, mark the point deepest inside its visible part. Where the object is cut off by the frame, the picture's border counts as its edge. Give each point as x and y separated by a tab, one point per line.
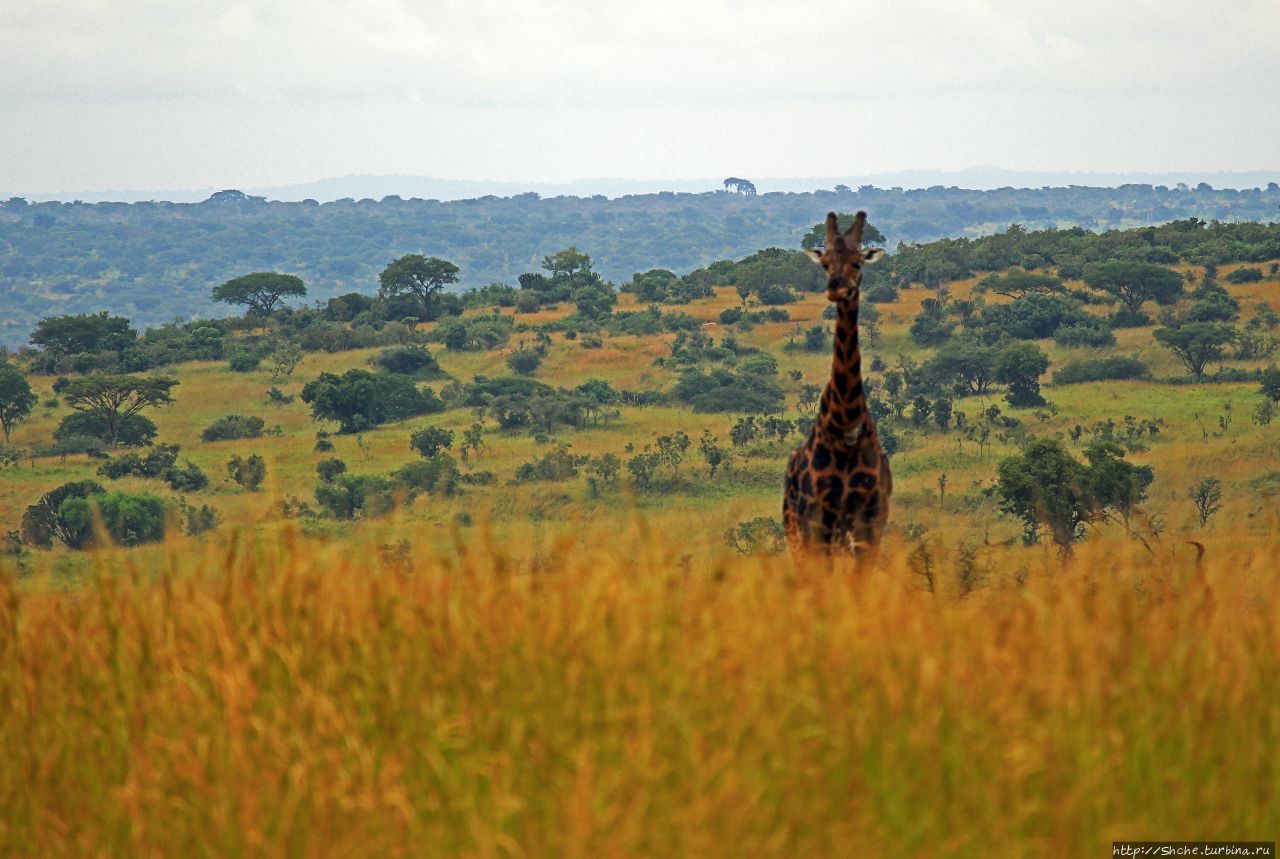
843	257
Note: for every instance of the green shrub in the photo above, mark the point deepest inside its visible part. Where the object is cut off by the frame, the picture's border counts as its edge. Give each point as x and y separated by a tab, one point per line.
159	463
1100	370
249	472
233	427
1084	334
328	469
356	495
413	361
430	441
435	475
244	361
129	519
525	361
1247	274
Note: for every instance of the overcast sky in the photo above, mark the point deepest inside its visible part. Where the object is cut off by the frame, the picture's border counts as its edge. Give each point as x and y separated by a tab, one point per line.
147	94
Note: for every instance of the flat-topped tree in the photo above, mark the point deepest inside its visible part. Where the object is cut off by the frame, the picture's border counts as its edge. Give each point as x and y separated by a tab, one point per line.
112	400
1135	283
261	292
418	275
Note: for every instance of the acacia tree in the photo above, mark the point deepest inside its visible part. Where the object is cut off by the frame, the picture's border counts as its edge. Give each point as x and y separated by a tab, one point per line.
113	400
1135	283
261	292
16	398
422	276
1197	344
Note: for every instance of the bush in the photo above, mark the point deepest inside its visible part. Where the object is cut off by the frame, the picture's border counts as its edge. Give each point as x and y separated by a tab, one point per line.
413	361
233	427
244	361
1101	370
1084	334
1246	274
525	361
557	464
129	519
160	463
1036	316
770	293
759	536
1129	319
475	333
722	391
435	475
249	473
430	441
328	469
356	495
880	292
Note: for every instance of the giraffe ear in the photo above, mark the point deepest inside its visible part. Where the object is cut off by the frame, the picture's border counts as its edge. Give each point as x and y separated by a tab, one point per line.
871	255
814	255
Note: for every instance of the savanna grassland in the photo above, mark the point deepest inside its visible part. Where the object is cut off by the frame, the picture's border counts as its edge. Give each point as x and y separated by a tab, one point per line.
536	668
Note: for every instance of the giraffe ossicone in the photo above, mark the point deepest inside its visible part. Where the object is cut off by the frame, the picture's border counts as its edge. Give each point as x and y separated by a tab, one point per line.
837	486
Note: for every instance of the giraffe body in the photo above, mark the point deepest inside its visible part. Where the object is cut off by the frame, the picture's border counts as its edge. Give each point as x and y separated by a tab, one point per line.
837	488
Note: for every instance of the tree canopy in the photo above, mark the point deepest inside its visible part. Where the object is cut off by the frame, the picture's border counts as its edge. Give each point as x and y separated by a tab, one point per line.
60	336
112	400
1049	490
261	292
360	400
1197	344
1135	283
418	275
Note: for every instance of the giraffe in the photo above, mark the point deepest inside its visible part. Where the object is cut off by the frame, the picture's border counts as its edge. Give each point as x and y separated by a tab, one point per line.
837	487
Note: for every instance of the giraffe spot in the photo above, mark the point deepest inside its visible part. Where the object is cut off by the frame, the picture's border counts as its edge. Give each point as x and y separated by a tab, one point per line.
855	410
821	457
856	367
861	480
806	484
840	380
834	487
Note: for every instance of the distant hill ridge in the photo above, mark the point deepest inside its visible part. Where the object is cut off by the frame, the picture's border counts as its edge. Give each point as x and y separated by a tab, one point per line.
157	261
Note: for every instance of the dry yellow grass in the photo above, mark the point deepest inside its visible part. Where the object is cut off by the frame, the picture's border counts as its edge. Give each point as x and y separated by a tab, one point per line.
588	694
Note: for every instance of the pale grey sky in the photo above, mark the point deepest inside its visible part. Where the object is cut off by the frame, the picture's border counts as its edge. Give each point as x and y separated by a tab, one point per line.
184	94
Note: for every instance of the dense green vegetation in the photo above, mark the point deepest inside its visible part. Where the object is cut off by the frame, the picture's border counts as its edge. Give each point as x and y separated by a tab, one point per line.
157	261
562	369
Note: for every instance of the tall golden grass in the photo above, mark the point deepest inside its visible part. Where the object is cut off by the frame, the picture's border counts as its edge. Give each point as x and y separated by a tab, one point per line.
594	694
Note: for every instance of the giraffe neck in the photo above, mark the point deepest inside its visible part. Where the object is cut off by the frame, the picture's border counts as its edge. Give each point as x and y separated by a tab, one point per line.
844	403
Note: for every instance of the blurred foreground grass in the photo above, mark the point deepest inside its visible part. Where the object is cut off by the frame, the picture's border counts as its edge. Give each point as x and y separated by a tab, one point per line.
599	695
